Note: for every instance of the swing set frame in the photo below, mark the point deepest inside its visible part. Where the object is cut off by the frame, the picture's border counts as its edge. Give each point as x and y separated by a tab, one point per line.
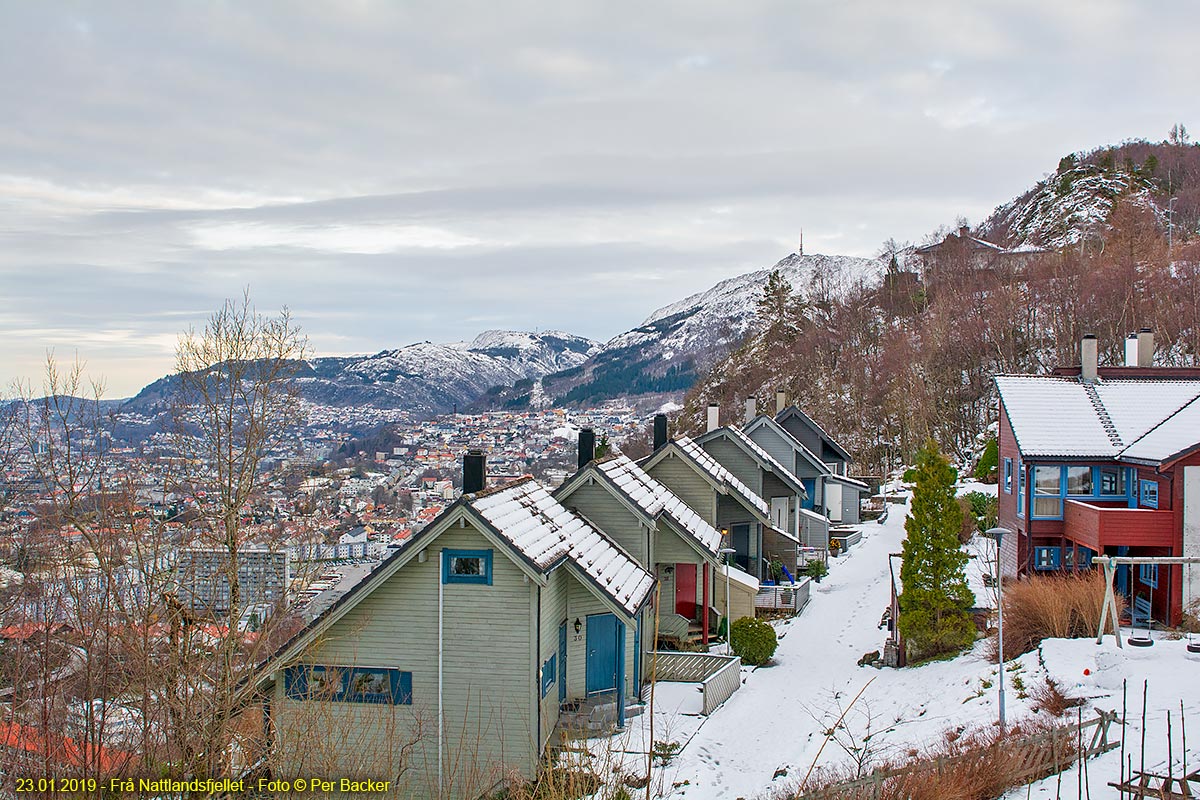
1110	564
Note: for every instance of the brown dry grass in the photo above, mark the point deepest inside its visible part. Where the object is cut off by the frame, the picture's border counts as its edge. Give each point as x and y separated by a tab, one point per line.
959	767
1049	697
1058	606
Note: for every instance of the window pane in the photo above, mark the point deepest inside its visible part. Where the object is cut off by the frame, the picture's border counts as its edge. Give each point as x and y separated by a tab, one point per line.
1112	480
1046	480
466	566
1047	507
1079	480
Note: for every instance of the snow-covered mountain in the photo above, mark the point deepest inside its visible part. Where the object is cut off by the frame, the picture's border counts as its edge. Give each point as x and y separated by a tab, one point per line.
681	341
423	378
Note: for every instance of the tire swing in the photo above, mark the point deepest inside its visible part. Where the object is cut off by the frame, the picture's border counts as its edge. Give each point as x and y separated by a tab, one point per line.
1142	640
1193	644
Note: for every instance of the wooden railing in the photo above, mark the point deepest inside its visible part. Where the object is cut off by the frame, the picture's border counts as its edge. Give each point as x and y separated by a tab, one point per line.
719	676
1034	757
783	597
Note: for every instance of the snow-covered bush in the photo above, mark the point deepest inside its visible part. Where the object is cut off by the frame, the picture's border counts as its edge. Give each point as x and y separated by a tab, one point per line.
754	640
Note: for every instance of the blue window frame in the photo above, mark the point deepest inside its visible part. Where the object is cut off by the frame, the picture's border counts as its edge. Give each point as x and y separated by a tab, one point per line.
1112	481
1149	494
381	685
467	566
1047	557
1047	492
1020	489
1148	575
1008	476
549	674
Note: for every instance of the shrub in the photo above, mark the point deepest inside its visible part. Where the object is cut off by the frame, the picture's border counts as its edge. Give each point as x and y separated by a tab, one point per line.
816	569
989	462
1057	606
1049	697
753	640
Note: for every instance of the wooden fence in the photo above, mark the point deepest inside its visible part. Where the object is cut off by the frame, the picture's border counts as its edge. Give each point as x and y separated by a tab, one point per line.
783	597
719	676
1026	759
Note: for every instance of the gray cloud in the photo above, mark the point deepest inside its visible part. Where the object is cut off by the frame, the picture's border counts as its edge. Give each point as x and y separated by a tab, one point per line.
400	171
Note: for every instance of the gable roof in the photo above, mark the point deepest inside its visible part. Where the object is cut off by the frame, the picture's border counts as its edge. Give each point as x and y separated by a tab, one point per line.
1143	420
755	451
656	500
712	469
540	535
769	422
793	411
546	533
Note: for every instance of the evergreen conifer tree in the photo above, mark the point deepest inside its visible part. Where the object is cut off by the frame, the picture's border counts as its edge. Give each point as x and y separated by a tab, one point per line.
935	596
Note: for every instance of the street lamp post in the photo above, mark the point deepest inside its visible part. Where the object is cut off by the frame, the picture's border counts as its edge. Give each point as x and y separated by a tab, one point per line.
727	551
998	535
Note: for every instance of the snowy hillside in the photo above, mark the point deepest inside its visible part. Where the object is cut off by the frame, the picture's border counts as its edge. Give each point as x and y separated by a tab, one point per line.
1065	207
681	341
424	378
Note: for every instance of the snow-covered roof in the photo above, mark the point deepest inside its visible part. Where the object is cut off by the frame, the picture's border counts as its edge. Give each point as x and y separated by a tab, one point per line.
848	481
718	473
755	451
654	500
1141	419
546	533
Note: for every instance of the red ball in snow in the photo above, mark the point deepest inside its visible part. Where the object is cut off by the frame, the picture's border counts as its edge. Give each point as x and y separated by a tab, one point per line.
1087	671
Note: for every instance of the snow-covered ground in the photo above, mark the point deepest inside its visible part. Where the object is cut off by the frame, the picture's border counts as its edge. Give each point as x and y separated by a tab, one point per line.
769	734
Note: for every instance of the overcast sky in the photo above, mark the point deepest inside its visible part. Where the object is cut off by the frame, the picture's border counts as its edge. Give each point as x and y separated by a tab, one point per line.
400	171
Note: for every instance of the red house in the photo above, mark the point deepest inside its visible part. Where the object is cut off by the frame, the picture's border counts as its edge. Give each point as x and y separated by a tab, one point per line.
1105	460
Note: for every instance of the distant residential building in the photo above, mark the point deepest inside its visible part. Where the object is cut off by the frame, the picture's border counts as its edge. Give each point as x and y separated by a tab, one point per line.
203	577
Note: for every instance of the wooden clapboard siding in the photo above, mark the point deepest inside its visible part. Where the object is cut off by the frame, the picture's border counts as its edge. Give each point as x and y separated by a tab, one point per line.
680	476
596	502
554	611
737	461
489	679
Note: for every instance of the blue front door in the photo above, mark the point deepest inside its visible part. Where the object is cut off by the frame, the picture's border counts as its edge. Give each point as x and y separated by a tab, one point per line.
602	647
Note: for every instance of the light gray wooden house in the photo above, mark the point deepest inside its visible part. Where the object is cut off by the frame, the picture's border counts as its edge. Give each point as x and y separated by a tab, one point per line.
721	499
449	666
793	438
666	536
767	477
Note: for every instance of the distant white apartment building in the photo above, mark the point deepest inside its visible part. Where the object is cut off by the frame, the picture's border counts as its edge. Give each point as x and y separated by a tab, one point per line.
203	577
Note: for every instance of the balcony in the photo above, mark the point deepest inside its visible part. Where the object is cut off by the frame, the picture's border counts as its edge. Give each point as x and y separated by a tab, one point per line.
1097	527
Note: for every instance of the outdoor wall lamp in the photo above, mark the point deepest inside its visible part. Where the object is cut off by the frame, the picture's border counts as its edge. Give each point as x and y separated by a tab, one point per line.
578	625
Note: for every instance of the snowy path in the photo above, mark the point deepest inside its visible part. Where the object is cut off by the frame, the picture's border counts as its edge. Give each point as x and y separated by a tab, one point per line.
766	727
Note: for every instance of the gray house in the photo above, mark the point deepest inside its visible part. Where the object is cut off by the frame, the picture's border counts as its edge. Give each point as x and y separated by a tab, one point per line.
449	667
795	439
661	532
765	475
722	500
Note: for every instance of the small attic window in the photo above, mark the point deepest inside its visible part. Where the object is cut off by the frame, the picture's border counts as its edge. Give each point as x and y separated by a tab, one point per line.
467	566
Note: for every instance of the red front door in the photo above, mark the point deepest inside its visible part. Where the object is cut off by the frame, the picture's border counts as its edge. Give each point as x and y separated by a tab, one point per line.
685	590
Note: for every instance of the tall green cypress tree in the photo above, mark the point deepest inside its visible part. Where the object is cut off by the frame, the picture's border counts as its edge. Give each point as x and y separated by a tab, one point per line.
935	596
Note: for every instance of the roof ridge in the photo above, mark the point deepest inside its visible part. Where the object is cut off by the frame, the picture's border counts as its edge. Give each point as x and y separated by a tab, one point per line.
1160	423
